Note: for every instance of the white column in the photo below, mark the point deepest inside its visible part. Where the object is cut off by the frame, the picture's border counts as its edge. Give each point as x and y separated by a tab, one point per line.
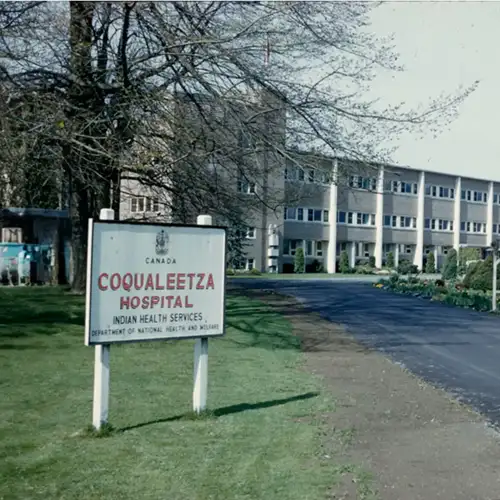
396	255
435	251
352	253
489	216
332	228
456	214
419	248
379	219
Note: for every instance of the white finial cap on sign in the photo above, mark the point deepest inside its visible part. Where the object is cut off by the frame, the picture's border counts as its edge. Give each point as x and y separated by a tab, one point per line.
107	214
204	220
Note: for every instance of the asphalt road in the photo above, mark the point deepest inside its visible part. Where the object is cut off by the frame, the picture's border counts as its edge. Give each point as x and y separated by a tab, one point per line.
452	348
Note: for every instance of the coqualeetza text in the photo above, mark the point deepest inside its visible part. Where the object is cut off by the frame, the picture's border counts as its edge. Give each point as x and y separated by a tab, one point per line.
156	282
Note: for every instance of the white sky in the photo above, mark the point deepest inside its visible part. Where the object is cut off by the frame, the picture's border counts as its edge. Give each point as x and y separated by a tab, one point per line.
444	45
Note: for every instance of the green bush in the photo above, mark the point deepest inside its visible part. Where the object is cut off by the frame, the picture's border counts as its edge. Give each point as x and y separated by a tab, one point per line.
344	263
450	267
363	269
404	267
299	262
430	265
230	271
390	260
371	261
480	275
255	271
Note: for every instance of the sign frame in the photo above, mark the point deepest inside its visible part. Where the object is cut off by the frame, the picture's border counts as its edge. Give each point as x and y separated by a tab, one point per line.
89	295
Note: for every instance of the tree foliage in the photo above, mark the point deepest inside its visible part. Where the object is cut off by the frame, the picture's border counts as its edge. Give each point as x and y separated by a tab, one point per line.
450	267
344	266
430	265
98	95
299	264
390	260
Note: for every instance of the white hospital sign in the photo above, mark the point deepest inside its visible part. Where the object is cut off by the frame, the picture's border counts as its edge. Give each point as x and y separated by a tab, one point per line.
151	282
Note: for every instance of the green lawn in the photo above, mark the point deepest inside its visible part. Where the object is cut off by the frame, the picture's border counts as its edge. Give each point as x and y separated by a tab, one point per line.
254	446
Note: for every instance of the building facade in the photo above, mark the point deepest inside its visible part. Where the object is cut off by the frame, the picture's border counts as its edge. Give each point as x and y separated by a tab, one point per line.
408	212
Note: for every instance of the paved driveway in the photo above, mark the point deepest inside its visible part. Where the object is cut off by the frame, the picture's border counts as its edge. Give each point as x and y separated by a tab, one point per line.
456	349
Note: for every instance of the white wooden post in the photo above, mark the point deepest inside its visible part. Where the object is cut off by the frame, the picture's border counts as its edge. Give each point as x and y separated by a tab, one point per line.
200	388
101	364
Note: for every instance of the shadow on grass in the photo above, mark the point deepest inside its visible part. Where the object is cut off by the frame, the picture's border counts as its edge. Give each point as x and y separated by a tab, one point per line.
227	410
46	307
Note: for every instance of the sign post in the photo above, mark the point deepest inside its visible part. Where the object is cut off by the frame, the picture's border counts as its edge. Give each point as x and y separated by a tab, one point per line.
101	361
200	388
148	281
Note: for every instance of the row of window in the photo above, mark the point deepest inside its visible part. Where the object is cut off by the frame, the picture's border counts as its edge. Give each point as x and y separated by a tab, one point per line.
355	218
311	248
476	196
358	182
400	221
438	224
473	227
306	214
307	175
249	234
439	192
142	204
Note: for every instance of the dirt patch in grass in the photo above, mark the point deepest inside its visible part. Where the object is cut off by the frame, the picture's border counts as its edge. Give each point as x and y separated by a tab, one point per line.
411	441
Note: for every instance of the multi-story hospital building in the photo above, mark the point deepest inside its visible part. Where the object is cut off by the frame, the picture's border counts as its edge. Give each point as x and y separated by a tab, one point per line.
408	212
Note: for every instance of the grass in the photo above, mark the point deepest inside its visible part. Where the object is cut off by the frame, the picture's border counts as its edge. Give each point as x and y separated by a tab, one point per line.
252	443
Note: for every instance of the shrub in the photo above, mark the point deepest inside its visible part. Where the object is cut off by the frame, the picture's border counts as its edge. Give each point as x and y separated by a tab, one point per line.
430	265
404	267
371	261
230	271
390	260
413	269
450	265
255	271
439	283
480	275
344	263
317	266
363	269
299	262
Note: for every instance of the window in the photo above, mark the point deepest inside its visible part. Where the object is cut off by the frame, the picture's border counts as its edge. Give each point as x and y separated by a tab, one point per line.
452	193
478	196
427	190
444	192
485	197
495	197
286	247
140	204
387	220
310	175
341	217
310	215
463	196
366	249
319	249
317	215
246	187
427	223
250	264
415	188
301	174
434	191
300	214
309	247
394	222
325	215
495	226
359	219
291	214
462	226
250	233
349	217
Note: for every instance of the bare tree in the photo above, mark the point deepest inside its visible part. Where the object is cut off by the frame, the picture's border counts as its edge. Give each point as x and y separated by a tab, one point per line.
179	96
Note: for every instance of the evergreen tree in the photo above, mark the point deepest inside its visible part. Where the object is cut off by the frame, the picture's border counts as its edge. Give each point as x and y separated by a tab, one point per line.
299	264
344	263
430	265
450	265
390	260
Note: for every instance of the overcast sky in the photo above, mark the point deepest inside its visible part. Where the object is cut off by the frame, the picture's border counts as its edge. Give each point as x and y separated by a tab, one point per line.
444	45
